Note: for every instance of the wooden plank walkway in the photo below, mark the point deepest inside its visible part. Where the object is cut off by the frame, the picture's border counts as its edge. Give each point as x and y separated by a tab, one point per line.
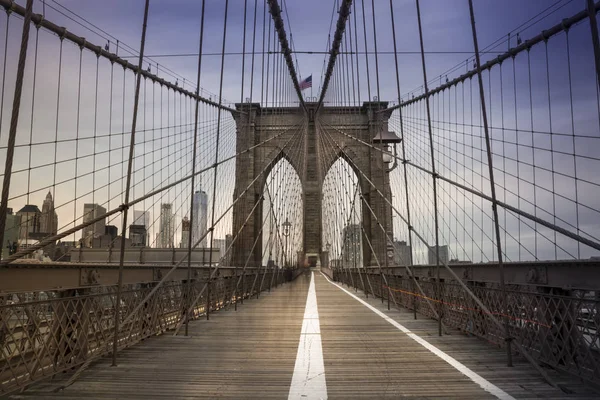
251	354
367	357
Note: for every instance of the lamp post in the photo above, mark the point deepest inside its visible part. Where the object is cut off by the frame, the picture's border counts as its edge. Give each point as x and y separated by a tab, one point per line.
328	248
286	232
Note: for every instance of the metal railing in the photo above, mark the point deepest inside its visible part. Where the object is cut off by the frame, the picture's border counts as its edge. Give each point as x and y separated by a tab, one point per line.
560	328
45	333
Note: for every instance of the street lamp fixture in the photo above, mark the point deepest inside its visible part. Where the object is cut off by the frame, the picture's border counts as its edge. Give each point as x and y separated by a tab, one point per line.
390	254
286	228
389	140
286	232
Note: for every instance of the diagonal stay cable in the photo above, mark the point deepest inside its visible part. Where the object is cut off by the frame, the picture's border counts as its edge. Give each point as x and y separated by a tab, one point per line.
478	301
234	239
70	231
98	50
518	211
408	269
525	46
214	271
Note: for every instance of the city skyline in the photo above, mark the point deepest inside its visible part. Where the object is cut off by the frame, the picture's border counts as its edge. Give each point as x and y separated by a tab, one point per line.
65	177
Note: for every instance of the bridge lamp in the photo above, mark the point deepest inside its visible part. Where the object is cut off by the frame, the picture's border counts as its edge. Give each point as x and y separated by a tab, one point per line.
388	140
286	232
390	255
286	228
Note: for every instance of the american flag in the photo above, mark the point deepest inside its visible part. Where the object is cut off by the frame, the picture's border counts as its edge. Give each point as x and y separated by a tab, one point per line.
305	84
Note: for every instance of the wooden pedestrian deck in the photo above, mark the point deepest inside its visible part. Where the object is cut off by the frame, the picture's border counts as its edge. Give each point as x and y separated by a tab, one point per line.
251	354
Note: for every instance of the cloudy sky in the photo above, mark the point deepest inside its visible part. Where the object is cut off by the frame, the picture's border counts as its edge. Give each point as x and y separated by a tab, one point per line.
173	28
171	50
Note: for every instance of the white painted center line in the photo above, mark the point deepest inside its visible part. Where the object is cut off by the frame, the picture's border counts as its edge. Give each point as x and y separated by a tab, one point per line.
308	381
478	379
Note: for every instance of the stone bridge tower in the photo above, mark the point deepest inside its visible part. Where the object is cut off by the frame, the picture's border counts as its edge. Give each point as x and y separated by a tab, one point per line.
255	124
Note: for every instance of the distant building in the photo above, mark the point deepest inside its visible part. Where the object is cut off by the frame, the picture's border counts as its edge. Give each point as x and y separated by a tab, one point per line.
220	244
402	253
352	246
166	233
228	242
138	235
98	228
443	253
62	250
111	231
49	218
185	232
142	218
11	233
200	204
30	221
106	241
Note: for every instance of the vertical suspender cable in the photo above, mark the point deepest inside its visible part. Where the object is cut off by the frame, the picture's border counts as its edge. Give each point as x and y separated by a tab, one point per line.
216	166
488	146
275	11
595	40
125	207
194	152
335	47
8	13
379	125
410	241
35	57
253	52
242	100
434	173
12	133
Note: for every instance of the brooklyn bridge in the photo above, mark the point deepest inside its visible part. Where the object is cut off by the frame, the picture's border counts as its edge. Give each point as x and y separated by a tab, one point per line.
302	200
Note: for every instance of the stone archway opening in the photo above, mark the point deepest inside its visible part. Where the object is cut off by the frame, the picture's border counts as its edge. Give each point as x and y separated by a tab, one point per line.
283	216
342	228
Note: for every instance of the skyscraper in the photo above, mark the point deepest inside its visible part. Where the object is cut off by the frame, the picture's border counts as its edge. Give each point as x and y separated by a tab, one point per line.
166	230
30	221
143	218
90	212
138	235
200	213
49	218
185	232
111	231
11	233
